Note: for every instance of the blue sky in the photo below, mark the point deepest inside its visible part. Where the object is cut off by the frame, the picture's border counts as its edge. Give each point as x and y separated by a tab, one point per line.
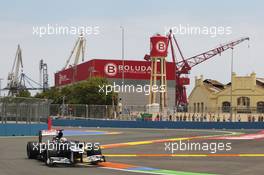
141	19
49	10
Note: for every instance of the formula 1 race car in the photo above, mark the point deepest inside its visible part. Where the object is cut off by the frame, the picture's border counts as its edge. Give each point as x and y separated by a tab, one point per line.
59	150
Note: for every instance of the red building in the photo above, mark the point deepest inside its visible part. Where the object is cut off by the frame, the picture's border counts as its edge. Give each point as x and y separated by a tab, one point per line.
135	73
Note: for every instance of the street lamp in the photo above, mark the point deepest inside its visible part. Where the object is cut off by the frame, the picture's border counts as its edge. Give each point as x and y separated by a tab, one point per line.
123	55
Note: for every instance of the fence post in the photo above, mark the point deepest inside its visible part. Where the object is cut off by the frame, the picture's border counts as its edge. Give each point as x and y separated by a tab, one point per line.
105	114
49	123
38	113
30	113
86	111
1	111
16	112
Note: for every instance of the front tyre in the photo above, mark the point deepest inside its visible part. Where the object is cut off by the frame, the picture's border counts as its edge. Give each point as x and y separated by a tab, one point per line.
32	150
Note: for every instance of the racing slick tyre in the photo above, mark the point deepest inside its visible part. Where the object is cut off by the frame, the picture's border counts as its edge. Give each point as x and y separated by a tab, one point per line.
95	151
32	150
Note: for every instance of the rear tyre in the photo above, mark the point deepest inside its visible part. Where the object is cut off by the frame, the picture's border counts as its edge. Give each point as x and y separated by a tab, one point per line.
32	150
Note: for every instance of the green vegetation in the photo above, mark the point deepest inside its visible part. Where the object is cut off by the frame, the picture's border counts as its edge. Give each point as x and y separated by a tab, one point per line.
23	93
86	92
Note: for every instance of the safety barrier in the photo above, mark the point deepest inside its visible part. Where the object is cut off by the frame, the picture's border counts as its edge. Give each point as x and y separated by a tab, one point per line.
13	129
159	124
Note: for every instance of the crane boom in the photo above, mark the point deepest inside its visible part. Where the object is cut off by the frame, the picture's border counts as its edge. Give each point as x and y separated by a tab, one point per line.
197	59
13	77
78	49
17	64
183	66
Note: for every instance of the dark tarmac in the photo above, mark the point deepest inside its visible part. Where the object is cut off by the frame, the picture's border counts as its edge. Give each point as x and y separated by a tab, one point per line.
147	156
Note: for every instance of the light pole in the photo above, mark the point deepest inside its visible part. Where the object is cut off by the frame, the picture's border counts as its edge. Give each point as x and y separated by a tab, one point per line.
231	91
1	86
123	61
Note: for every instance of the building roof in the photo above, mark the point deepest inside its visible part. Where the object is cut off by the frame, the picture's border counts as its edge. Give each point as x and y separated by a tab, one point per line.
214	83
260	82
216	86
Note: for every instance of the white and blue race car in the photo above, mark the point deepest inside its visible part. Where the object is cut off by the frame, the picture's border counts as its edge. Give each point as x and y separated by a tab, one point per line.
53	148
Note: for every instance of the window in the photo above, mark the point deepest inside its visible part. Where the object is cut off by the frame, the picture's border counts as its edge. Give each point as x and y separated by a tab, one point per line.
243	105
194	107
260	107
243	102
202	107
226	106
198	107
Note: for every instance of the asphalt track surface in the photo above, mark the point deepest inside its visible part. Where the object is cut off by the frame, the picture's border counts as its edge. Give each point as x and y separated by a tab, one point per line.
142	151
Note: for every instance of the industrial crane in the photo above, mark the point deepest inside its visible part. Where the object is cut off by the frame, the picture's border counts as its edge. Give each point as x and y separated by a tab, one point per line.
184	66
17	80
43	75
79	50
13	79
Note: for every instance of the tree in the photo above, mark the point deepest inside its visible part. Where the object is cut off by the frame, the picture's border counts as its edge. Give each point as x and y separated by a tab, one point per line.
23	93
85	92
52	94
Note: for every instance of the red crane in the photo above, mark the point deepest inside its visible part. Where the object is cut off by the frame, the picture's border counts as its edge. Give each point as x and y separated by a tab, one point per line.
184	66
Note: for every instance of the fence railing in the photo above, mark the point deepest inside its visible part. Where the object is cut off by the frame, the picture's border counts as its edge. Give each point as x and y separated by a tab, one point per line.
95	111
80	110
23	110
37	110
133	112
227	109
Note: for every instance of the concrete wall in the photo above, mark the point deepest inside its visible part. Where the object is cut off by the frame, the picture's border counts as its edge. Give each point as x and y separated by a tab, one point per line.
12	129
160	124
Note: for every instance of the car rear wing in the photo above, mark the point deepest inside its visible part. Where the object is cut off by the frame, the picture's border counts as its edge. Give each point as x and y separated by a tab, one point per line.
52	132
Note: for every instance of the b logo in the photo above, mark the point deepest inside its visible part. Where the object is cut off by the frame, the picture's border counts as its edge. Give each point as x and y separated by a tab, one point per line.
161	46
110	69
